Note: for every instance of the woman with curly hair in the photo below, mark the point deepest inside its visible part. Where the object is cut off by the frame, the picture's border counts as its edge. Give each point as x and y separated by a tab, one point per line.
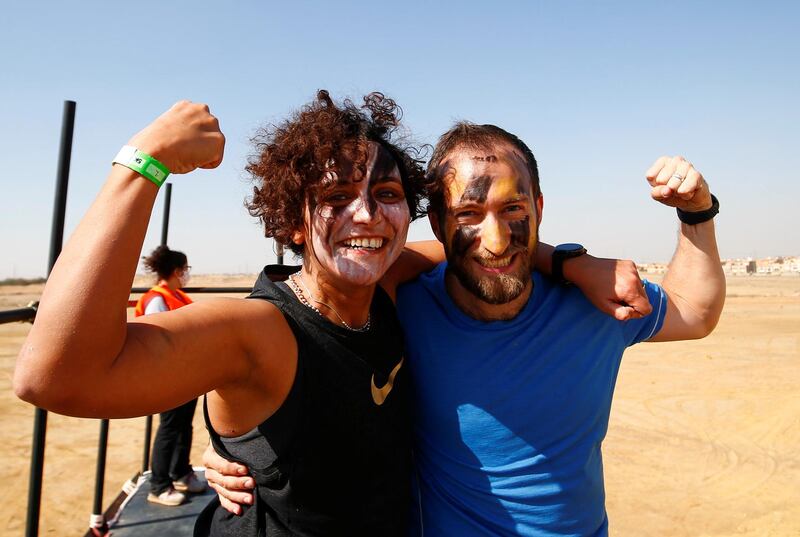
305	381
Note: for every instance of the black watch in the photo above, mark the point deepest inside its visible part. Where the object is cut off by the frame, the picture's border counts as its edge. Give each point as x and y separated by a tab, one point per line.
561	253
698	217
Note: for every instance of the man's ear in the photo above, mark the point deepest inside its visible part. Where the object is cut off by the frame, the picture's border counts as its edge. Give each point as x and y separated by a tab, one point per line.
433	218
298	237
539	209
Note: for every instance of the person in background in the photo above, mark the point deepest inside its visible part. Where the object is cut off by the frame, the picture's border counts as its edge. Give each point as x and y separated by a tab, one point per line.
172	476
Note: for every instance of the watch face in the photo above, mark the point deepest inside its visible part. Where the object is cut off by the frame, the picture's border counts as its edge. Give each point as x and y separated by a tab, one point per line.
569	247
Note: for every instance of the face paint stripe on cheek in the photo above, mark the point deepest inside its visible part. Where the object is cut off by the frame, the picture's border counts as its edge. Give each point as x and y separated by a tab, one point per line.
521	232
463	238
383	166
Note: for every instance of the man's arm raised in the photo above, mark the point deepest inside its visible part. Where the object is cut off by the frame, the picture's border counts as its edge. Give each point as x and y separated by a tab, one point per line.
694	282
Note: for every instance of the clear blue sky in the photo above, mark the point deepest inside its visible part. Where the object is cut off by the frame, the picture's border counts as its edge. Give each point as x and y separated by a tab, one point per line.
597	89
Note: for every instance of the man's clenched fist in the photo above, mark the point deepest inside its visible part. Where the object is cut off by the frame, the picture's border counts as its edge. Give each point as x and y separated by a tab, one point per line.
676	183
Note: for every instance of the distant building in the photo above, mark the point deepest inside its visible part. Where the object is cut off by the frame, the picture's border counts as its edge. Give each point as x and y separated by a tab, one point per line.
768	266
652	268
791	264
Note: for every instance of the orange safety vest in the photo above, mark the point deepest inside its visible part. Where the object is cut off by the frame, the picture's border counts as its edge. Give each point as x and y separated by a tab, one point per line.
175	298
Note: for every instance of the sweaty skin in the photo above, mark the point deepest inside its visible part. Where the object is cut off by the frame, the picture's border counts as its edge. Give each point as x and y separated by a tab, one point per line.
361	205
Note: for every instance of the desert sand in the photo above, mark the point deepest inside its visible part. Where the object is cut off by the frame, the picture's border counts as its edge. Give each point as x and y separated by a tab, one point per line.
704	438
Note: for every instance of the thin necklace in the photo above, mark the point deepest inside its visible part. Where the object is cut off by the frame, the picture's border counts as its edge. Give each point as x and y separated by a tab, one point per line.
303	300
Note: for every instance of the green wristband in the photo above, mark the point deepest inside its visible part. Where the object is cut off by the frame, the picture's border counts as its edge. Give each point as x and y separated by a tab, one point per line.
142	163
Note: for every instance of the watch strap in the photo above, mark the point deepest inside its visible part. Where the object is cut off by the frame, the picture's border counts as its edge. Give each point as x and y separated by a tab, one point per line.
142	163
557	262
698	217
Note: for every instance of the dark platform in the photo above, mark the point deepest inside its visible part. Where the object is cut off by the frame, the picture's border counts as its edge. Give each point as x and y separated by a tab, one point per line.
140	518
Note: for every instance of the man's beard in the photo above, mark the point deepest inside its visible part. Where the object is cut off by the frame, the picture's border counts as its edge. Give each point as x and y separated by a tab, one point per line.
495	289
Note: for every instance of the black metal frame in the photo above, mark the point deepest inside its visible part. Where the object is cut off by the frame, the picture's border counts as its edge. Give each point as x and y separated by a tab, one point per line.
56	241
18	315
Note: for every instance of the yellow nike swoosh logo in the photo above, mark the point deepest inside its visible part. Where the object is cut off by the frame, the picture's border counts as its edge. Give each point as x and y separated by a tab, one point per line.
379	395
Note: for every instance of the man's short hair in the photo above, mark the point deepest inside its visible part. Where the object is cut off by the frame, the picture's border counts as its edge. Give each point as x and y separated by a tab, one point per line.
472	136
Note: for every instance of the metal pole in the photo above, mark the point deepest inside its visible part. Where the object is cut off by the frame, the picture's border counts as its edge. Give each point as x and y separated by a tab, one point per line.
56	241
280	254
148	423
17	315
148	432
99	477
165	221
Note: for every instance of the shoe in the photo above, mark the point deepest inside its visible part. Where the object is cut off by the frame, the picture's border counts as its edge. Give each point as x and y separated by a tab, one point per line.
189	483
169	497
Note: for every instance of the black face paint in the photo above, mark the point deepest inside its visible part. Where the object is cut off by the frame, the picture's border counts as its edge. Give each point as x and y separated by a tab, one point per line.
338	172
524	187
487	158
520	232
381	169
478	189
463	238
326	210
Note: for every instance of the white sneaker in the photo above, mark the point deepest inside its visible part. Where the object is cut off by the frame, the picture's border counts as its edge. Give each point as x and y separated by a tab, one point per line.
189	483
169	497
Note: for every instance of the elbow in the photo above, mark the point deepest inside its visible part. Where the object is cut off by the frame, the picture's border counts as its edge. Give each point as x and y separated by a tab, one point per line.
709	324
23	381
28	388
711	317
24	389
41	388
42	395
705	325
702	330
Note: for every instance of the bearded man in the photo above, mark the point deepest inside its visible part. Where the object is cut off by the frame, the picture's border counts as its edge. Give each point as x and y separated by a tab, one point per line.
513	374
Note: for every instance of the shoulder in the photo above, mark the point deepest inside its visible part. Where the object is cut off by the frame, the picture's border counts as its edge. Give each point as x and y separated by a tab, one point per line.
234	321
249	317
266	329
269	350
259	328
567	304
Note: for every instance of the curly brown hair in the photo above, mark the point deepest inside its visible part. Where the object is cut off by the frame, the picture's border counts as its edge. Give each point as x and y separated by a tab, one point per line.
290	160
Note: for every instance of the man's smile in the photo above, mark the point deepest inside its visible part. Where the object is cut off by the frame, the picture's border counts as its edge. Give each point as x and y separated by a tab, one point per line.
496	265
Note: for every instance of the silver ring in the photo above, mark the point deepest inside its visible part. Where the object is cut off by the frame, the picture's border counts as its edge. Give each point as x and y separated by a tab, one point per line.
677	176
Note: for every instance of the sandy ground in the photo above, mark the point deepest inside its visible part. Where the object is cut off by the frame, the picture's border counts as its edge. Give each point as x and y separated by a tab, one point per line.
704	437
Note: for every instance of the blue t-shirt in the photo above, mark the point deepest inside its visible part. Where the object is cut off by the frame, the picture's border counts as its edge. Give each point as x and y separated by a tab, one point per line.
509	416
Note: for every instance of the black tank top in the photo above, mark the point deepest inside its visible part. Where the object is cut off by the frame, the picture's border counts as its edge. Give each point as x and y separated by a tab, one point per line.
334	461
